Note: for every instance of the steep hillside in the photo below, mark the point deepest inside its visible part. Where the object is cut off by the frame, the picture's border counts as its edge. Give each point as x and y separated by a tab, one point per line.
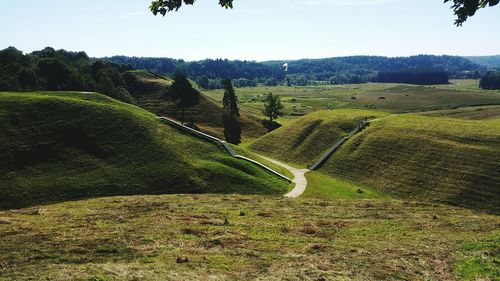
426	158
150	92
63	146
437	159
471	113
304	140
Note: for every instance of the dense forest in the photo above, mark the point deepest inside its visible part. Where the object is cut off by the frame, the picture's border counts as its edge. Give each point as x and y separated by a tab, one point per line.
51	69
209	73
342	70
61	70
489	61
421	77
490	81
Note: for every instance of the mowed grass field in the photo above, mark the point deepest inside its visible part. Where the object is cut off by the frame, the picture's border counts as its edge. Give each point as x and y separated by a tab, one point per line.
230	237
394	98
58	146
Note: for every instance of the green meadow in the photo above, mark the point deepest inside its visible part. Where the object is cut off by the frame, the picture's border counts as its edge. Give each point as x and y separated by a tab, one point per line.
395	98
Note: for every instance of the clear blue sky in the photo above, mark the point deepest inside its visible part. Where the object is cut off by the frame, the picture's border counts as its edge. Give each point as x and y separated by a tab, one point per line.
253	30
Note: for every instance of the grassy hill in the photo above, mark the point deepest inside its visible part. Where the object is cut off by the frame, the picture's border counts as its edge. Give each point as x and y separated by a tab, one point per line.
426	158
471	113
409	156
150	92
302	142
64	146
232	237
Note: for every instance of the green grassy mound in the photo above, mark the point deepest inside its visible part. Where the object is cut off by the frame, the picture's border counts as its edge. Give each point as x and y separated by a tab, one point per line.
426	158
304	140
150	92
322	186
470	113
63	146
233	237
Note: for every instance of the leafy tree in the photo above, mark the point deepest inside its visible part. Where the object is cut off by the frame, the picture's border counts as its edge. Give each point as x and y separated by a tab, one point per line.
27	79
49	69
105	85
164	6
121	94
232	129
183	92
230	100
490	81
54	73
463	9
273	107
204	82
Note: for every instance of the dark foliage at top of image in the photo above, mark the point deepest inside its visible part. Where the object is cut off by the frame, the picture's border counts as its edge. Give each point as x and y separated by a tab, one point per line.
463	9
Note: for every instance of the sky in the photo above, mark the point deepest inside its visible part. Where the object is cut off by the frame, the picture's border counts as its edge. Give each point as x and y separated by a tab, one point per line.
254	30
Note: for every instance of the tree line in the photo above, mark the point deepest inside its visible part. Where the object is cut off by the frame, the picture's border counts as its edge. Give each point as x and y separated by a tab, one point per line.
209	74
60	70
490	81
421	77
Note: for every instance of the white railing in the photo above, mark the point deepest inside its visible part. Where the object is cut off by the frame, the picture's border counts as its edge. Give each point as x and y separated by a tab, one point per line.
361	125
224	144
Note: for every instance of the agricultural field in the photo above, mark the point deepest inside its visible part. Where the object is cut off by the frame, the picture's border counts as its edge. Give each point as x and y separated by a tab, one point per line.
394	98
233	237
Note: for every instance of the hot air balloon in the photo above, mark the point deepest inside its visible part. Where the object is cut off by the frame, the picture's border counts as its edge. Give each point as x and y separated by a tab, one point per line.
285	67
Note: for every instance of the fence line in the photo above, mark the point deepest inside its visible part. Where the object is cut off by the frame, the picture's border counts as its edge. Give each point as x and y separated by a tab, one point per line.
224	144
361	125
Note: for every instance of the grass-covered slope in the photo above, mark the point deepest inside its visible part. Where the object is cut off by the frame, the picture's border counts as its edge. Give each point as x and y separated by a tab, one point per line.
426	158
304	140
151	93
471	113
232	237
63	146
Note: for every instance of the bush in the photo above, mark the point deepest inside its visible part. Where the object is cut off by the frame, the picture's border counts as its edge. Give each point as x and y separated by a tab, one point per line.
490	81
270	125
121	94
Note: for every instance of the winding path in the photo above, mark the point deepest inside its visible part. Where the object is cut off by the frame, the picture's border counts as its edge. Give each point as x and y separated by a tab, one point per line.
299	178
224	144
